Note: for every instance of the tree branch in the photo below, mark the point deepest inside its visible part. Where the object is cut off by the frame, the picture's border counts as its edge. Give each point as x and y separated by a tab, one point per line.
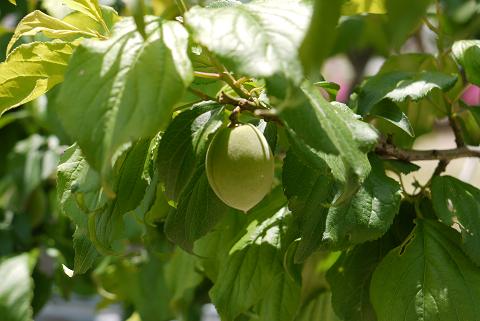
445	155
244	104
456	131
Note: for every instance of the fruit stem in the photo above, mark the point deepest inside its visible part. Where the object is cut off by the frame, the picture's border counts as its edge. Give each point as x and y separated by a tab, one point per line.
234	117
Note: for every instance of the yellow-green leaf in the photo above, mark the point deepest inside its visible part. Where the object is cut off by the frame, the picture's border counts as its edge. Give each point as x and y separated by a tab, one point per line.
51	27
13	1
31	70
352	7
90	8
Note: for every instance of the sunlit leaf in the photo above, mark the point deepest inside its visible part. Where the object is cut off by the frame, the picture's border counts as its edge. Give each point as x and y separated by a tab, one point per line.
352	7
16	290
142	105
38	21
31	70
259	39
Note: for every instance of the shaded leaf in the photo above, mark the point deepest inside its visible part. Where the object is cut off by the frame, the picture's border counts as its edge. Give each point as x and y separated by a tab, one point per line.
199	209
106	223
184	144
85	252
456	202
404	17
309	193
390	112
181	278
251	267
367	215
400	166
78	192
318	308
320	35
350	277
428	277
31	162
282	300
330	128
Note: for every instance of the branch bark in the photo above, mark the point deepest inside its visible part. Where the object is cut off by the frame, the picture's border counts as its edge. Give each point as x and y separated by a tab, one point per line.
391	151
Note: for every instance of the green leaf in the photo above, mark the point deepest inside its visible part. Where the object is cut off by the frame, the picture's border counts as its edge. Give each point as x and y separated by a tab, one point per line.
137	282
318	308
427	278
470	126
30	71
409	62
142	105
258	39
281	301
105	224
78	193
329	128
182	278
85	252
251	267
456	202
404	17
82	198
320	37
31	162
363	32
198	211
214	247
309	194
390	112
399	86
184	145
91	8
37	21
467	53
16	288
13	2
353	7
399	166
331	88
350	277
137	10
78	187
367	215
86	23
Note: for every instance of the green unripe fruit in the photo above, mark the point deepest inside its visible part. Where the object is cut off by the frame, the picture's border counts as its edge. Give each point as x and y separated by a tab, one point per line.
240	166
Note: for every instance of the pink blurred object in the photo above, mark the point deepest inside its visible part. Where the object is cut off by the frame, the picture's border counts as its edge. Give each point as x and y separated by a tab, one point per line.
343	93
471	96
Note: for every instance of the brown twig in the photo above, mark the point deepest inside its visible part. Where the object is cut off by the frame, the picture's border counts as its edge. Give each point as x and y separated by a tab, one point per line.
244	104
391	151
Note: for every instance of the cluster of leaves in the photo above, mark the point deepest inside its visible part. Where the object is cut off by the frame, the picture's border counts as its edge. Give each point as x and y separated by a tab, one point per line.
129	211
